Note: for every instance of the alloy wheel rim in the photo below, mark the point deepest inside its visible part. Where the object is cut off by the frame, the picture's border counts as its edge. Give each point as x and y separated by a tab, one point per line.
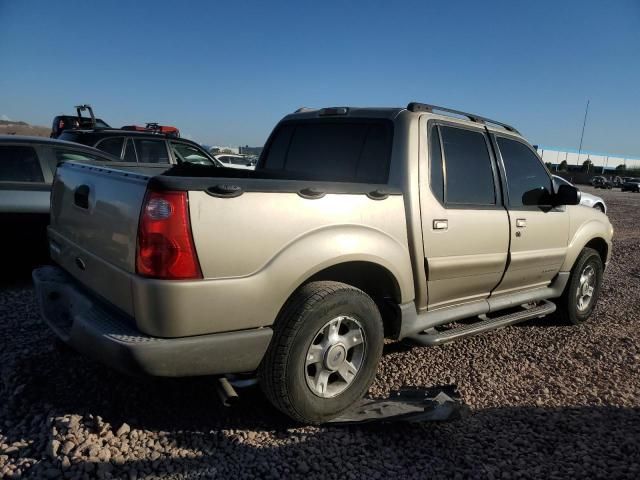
335	356
586	288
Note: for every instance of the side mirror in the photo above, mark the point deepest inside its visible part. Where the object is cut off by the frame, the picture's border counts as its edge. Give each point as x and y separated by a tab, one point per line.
566	195
537	197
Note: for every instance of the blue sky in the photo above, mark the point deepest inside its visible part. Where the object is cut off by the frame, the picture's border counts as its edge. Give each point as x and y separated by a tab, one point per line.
225	72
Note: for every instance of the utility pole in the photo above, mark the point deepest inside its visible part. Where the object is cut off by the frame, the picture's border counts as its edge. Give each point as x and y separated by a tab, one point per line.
582	135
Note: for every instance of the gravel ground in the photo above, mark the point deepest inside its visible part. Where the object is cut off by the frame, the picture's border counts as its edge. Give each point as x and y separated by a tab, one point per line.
546	401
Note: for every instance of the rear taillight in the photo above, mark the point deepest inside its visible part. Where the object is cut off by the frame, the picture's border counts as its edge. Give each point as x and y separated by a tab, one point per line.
165	243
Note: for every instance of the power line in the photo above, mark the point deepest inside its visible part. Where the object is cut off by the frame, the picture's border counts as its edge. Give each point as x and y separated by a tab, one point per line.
582	135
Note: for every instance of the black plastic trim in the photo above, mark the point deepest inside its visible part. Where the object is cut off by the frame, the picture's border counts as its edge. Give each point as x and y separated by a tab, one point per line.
224	190
311	193
378	194
267	185
102	332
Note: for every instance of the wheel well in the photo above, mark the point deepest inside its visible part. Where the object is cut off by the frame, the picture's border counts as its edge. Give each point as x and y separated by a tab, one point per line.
600	246
373	279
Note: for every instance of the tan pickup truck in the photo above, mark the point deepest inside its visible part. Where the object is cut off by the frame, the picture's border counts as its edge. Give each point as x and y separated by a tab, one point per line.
359	224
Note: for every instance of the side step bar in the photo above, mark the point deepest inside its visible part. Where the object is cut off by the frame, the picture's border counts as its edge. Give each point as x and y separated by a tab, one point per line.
486	325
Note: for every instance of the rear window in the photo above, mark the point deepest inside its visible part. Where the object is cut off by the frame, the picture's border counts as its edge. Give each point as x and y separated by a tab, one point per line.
350	150
19	164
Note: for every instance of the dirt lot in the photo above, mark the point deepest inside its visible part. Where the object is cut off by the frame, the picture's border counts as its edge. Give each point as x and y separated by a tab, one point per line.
546	401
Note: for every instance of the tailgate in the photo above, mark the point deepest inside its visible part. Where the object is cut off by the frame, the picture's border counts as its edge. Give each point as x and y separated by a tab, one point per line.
94	222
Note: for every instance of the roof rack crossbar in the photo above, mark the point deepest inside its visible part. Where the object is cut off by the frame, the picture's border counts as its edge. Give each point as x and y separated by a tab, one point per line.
86	107
425	107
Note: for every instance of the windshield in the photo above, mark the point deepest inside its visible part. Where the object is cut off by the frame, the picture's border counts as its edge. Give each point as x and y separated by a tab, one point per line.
190	154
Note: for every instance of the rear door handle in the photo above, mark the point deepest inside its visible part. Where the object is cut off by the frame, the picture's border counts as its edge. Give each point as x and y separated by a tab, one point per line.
521	222
81	196
440	224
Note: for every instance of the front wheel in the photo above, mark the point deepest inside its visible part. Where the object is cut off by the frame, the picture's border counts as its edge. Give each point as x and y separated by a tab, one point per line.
581	293
324	353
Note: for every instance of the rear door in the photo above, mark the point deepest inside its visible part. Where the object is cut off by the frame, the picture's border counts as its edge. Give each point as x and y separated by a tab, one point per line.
24	200
24	183
539	234
465	226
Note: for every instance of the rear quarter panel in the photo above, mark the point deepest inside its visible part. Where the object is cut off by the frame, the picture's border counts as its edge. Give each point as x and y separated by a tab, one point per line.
256	249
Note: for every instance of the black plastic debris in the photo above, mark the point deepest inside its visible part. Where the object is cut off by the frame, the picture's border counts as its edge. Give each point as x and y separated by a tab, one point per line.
409	404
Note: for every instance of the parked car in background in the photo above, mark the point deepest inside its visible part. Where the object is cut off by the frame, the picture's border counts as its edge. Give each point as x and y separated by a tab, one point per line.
27	168
586	199
601	182
372	223
617	182
142	147
235	161
631	185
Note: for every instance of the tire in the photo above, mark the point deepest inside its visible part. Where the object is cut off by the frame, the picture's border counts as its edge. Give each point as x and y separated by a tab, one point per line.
568	305
303	332
599	206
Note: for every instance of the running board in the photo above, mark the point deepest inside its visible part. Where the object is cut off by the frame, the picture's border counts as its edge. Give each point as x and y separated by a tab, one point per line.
484	325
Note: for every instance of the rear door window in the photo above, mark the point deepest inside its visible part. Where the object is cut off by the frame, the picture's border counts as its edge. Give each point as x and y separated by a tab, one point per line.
468	171
111	145
151	151
19	164
350	150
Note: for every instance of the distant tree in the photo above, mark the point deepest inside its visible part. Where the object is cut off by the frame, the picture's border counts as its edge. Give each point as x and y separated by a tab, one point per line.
549	165
621	168
587	165
563	166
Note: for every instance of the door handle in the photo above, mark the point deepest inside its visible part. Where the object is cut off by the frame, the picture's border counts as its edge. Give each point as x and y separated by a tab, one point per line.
81	196
440	224
521	222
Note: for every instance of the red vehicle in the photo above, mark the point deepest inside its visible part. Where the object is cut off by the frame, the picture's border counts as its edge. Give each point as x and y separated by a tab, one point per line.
154	127
63	123
76	122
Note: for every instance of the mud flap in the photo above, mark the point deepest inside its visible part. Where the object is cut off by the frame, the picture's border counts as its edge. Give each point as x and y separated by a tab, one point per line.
409	404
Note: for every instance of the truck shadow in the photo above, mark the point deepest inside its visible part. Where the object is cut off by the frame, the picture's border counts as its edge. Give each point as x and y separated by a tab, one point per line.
187	415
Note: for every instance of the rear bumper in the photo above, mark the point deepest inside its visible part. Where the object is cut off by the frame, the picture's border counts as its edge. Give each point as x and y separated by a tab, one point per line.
104	333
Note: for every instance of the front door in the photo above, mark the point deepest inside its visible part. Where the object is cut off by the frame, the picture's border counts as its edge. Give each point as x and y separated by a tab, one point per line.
539	234
465	226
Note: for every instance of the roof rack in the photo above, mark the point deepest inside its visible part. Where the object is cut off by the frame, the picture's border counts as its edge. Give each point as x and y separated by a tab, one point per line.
84	108
425	107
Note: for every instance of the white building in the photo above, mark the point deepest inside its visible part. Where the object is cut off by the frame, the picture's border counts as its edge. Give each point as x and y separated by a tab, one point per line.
218	148
602	160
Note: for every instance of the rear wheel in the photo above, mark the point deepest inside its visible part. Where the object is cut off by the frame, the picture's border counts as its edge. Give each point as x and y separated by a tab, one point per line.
599	206
581	293
324	354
